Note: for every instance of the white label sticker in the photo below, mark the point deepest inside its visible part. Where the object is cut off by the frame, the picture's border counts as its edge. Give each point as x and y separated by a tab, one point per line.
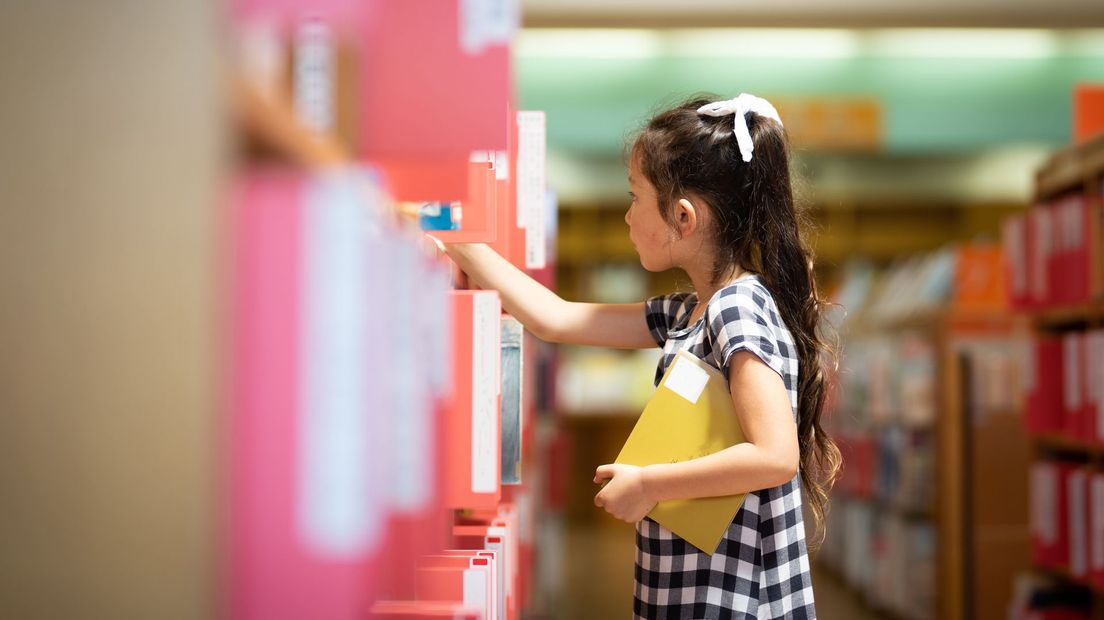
495	552
1096	528
502	165
314	76
530	166
341	498
1043	242
410	419
1044	492
536	236
486	334
487	22
1029	351
1077	543
505	551
476	585
1096	379
1071	371
1013	239
687	380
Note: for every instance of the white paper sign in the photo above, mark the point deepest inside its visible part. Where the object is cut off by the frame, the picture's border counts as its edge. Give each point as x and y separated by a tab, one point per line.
314	75
476	586
340	510
487	22
409	427
486	334
530	166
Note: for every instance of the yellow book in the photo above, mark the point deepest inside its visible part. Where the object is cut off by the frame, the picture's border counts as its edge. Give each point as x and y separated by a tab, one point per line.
689	416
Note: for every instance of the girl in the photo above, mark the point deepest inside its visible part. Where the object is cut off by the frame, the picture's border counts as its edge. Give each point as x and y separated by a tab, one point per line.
711	196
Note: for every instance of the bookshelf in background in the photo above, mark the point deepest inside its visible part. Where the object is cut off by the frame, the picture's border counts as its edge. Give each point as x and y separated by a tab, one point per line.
923	398
1054	258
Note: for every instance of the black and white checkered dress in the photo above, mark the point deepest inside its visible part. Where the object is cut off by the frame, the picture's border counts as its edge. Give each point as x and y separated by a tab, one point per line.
761	568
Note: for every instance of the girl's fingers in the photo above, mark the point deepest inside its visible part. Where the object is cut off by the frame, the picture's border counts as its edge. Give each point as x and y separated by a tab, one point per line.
604	472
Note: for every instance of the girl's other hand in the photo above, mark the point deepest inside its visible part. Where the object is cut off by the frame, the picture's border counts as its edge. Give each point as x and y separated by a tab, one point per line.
625	495
432	245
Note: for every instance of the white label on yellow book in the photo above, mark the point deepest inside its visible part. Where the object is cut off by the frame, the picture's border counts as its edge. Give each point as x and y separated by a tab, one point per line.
485	351
687	380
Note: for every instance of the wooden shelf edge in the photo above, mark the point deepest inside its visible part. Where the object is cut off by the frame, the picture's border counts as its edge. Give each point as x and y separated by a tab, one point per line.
1065	575
926	515
1059	443
1068	169
272	123
1064	315
945	318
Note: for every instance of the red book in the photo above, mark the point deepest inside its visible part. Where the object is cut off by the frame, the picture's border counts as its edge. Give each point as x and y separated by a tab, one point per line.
1077	521
1050	514
1014	246
1044	387
1094	369
433	88
1041	225
1057	258
1073	386
1095	522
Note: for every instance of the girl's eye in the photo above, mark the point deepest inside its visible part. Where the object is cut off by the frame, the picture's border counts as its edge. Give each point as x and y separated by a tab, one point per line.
632	196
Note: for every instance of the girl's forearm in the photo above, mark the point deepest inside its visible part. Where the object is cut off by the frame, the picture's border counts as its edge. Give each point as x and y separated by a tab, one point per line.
738	469
523	297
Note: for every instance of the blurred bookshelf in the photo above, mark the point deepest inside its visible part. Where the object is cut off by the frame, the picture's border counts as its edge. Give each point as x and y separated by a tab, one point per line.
924	398
1056	246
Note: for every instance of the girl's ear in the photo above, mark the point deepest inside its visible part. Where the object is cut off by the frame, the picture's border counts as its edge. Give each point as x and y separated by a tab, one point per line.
687	217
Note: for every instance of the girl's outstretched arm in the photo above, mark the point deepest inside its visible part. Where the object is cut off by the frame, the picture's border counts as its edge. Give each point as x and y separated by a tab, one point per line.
543	312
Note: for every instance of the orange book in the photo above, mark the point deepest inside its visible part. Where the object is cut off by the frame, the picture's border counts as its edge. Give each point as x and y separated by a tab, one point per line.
479	221
1088	112
423	610
468	584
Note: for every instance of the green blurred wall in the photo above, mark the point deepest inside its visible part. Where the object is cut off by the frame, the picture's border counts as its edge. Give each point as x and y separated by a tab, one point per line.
930	105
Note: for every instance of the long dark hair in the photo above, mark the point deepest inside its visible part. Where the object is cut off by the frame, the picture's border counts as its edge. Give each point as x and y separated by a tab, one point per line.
757	226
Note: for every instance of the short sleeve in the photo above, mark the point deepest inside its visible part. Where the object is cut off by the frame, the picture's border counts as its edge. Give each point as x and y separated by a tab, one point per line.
738	320
663	312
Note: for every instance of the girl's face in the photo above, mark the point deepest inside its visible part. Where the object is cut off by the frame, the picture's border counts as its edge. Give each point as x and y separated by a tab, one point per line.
651	235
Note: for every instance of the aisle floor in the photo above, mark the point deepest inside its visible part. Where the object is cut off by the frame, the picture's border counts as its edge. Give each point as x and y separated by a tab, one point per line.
598	562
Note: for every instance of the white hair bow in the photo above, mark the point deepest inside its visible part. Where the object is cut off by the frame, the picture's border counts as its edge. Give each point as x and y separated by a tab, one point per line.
739	107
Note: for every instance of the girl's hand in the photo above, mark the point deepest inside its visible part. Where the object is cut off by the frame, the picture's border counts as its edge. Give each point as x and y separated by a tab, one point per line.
432	244
624	496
